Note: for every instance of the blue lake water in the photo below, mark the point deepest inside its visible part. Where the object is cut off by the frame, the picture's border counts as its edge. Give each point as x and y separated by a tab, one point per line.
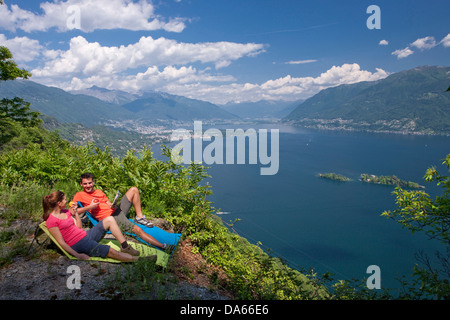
329	225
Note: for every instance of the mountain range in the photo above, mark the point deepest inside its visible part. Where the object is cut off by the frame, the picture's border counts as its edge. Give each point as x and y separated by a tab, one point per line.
163	106
112	96
159	105
411	101
98	106
155	101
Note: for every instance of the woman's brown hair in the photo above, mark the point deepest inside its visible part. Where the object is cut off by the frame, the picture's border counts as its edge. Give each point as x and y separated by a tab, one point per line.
51	201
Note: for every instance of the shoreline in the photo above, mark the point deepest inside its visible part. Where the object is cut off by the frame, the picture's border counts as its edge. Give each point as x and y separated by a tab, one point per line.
319	125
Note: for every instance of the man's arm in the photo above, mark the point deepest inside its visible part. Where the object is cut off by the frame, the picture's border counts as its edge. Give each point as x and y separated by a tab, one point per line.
107	200
87	208
90	207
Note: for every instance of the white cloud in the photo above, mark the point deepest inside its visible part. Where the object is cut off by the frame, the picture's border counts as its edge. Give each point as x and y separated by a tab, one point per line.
348	74
286	88
301	61
403	53
93	15
172	76
85	58
151	79
383	43
345	74
166	61
23	49
424	43
216	88
446	41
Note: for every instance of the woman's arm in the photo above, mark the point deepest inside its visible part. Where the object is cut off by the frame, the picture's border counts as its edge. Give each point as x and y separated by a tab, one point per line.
76	217
54	231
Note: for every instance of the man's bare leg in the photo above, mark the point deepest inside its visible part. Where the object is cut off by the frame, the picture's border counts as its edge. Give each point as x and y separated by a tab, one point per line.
135	198
146	237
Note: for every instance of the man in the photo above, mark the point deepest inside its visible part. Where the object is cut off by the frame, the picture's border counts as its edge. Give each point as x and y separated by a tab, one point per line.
97	203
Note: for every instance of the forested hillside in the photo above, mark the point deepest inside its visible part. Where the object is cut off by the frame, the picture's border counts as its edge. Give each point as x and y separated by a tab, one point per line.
414	101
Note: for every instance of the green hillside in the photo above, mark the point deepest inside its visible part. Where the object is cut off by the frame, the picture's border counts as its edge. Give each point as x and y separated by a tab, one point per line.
261	109
65	107
415	100
117	141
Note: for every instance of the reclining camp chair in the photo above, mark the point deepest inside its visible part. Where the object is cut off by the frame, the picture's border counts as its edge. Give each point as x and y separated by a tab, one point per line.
145	250
157	233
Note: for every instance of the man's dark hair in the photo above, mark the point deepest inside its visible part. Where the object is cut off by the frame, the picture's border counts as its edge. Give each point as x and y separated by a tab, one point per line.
87	175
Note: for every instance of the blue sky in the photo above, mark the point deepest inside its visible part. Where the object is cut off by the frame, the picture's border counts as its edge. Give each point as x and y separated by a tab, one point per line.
222	50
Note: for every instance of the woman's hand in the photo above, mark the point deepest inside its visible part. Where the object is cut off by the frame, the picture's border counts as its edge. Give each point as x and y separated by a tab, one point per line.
82	256
73	208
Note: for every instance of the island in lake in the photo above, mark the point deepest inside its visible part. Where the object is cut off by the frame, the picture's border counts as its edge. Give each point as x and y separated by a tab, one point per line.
334	176
371	178
390	180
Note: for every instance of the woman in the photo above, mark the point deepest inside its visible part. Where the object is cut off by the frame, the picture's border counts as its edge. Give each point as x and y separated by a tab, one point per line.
65	226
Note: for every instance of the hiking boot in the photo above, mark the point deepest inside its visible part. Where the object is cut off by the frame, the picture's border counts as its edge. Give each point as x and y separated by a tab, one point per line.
168	248
152	258
144	222
130	250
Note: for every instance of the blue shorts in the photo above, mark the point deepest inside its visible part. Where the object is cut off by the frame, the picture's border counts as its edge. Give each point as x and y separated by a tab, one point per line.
90	243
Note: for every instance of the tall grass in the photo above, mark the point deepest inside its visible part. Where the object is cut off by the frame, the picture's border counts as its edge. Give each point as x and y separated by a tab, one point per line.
25	198
20	213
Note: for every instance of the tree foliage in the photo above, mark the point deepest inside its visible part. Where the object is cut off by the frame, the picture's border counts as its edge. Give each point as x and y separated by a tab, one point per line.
18	110
417	211
8	67
16	116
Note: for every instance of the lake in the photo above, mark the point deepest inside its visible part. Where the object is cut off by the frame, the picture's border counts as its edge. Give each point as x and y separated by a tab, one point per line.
329	225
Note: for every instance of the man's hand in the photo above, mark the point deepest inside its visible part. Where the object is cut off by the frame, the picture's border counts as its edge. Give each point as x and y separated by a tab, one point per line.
112	206
94	204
